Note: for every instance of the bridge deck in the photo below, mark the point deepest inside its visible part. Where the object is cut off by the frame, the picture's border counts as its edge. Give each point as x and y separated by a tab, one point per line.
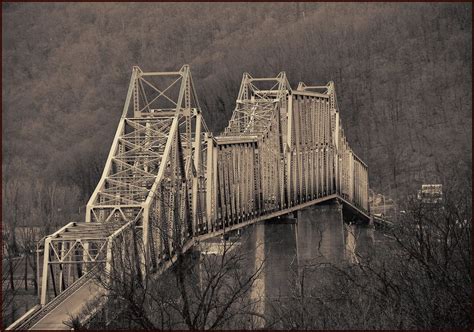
70	307
283	212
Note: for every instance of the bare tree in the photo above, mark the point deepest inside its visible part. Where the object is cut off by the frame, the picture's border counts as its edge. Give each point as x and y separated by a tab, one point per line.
9	265
202	290
421	278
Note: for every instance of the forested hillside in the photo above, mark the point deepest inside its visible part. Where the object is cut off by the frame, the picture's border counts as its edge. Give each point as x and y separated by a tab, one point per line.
402	75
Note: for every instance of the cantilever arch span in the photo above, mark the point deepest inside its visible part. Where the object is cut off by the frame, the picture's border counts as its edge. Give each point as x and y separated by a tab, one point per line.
169	182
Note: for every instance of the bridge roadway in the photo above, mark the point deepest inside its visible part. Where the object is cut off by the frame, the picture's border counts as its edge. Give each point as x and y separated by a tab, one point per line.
168	182
70	307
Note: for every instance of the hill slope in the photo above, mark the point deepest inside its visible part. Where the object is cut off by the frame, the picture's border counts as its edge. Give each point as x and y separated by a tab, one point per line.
402	73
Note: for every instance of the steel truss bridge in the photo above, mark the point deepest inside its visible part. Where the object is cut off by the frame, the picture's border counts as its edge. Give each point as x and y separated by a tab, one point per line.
168	183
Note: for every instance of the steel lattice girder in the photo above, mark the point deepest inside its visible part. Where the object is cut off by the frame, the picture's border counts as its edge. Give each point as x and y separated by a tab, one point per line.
255	107
161	128
82	244
169	179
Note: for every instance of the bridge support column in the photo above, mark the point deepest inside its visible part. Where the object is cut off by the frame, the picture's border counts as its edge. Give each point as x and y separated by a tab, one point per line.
272	243
253	245
280	255
44	280
359	243
320	242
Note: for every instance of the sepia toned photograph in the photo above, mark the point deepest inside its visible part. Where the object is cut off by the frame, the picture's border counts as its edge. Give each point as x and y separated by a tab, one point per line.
236	166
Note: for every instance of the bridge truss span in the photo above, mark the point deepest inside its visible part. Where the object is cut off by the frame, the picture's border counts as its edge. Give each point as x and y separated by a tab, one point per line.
168	182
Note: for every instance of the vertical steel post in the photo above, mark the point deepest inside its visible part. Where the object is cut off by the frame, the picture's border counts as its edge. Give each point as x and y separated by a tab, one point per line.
44	281
289	151
197	174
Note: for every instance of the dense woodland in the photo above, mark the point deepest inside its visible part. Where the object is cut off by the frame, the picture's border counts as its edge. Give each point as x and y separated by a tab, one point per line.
402	73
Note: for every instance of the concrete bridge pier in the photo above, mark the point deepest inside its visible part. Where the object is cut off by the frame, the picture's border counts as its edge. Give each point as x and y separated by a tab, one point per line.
253	247
293	248
360	243
281	262
273	244
320	243
320	234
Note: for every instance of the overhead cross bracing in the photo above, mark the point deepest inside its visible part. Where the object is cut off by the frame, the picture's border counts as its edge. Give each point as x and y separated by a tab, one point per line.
169	183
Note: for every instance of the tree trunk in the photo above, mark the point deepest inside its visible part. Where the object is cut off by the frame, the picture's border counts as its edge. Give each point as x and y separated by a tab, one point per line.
26	271
35	281
10	265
